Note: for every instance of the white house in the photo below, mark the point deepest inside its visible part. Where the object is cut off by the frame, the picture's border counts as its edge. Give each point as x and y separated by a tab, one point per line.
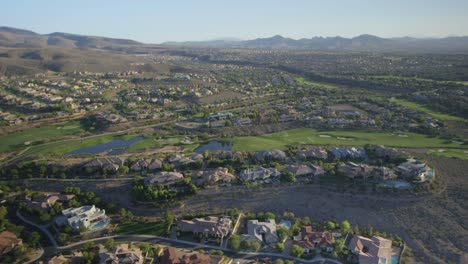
86	216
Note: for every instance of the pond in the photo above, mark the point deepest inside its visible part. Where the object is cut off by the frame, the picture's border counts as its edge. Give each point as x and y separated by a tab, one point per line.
114	147
213	146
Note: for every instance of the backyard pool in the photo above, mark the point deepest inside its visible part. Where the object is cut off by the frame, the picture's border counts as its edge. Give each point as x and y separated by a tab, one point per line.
396	184
100	224
394	260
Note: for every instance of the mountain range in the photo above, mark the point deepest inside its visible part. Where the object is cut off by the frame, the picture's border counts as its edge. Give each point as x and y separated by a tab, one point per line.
20	38
364	43
26	52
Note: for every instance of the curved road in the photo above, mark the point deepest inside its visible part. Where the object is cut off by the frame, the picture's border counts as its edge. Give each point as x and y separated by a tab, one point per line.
50	251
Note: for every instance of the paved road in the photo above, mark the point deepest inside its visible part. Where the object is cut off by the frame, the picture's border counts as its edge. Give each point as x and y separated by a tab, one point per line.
50	251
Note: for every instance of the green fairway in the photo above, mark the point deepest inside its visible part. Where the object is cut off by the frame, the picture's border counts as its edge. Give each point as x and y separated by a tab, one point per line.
397	78
417	107
451	153
148	143
142	228
303	81
34	135
283	139
61	148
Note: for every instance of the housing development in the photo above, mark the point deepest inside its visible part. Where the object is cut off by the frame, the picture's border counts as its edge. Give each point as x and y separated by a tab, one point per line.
271	150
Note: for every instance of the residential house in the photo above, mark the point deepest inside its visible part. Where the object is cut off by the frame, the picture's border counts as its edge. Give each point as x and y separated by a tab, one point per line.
174	256
75	258
415	169
374	250
348	152
212	177
218	123
311	240
258	173
244	121
228	155
313	153
384	174
270	155
384	152
261	232
45	201
111	164
163	178
353	170
221	116
180	160
122	254
211	226
306	170
8	242
146	164
89	217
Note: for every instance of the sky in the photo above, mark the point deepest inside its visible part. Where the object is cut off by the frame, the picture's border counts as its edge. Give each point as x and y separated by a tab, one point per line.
158	21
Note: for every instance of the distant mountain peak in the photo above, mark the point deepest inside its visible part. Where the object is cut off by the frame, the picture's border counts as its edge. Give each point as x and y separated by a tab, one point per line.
17	31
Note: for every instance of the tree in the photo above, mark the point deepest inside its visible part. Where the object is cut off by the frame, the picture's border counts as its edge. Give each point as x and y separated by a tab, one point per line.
88	257
109	244
255	246
356	230
280	247
45	217
297	251
306	221
88	245
62	238
246	244
234	242
145	247
169	220
330	225
3	212
283	233
345	227
339	245
278	261
288	176
34	238
269	215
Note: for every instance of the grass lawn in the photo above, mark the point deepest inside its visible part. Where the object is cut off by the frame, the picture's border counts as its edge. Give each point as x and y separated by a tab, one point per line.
303	81
415	106
393	77
451	153
14	141
142	228
283	139
148	143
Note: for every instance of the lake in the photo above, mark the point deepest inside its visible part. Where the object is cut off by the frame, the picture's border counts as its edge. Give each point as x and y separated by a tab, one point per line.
114	147
214	146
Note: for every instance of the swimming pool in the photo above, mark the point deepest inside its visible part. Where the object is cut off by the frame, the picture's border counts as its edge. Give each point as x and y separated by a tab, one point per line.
394	260
396	184
100	225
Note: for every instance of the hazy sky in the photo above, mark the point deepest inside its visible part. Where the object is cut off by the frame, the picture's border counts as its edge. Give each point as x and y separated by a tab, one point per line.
157	21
